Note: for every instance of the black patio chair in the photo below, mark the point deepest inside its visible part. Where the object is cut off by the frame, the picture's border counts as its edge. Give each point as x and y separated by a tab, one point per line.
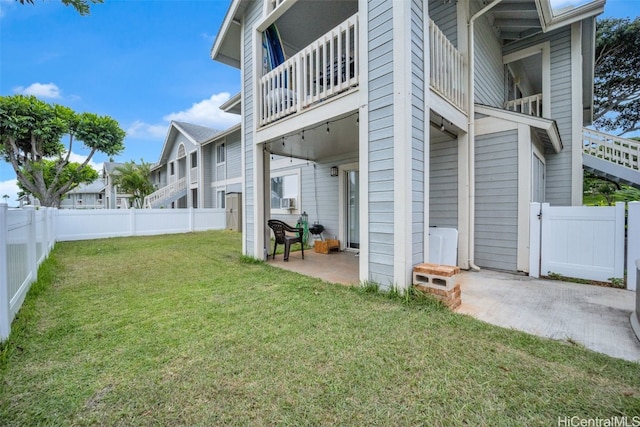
280	230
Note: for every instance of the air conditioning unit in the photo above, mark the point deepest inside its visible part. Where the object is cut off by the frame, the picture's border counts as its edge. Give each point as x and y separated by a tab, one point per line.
288	203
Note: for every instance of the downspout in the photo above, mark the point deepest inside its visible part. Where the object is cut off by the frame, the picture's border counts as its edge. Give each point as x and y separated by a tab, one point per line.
472	134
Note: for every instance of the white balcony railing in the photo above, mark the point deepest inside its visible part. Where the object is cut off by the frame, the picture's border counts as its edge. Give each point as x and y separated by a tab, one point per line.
326	67
302	79
447	68
531	105
615	149
165	192
193	175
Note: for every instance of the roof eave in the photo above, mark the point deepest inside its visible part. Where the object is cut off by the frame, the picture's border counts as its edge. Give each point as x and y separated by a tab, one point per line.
548	126
233	104
220	51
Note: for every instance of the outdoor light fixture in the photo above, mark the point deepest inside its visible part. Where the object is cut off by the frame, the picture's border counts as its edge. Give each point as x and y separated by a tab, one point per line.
334	171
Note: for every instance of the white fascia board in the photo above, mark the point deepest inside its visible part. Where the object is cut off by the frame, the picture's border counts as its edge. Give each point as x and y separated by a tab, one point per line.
217	137
546	125
235	102
229	21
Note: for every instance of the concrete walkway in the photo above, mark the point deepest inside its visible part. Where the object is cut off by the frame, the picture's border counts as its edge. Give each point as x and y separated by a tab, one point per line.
594	316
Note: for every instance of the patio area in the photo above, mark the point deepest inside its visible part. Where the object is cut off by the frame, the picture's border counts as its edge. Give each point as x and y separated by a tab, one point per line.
593	316
336	267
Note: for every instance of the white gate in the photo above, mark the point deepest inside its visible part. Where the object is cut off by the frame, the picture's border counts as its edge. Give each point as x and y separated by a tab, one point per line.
585	242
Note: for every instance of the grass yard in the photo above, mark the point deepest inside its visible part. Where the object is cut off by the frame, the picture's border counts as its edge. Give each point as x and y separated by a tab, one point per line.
182	330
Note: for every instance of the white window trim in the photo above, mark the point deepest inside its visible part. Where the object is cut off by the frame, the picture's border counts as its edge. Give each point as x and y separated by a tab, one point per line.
218	162
545	50
288	172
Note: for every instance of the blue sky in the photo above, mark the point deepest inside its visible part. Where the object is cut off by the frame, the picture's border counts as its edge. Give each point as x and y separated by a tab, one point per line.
141	62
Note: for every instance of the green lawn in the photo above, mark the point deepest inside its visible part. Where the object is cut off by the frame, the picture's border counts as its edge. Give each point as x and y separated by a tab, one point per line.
182	330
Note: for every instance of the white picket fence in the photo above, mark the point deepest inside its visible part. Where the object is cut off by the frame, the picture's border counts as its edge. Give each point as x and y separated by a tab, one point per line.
28	235
585	242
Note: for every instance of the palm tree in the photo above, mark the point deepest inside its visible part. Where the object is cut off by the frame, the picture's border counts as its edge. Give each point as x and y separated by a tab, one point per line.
135	180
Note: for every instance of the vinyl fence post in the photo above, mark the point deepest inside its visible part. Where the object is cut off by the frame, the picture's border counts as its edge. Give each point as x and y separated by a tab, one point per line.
633	244
5	319
32	258
618	266
191	219
534	240
132	222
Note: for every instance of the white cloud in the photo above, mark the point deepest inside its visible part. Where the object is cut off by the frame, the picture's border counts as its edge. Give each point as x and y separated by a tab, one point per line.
9	188
47	90
142	130
208	37
79	158
207	113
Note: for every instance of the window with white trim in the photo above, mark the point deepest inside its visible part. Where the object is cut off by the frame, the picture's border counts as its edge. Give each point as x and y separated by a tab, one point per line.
220	197
285	192
220	153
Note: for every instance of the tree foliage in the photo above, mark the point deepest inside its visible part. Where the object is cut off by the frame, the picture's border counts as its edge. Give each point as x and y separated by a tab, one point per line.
617	75
134	179
73	173
81	6
31	132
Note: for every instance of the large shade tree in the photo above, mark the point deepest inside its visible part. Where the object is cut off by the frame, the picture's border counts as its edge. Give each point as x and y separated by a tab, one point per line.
617	75
31	134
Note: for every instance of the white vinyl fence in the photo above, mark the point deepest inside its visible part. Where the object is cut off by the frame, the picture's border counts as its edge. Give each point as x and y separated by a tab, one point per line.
28	235
26	238
76	224
584	242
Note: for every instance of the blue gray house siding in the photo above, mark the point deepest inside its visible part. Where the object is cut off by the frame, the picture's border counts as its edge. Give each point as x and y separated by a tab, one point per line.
445	15
252	14
496	208
443	184
558	166
418	130
380	139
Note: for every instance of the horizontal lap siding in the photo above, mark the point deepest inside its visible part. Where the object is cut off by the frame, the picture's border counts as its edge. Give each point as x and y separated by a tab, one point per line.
319	196
207	168
445	14
234	157
254	11
496	200
417	132
489	80
443	185
380	101
558	166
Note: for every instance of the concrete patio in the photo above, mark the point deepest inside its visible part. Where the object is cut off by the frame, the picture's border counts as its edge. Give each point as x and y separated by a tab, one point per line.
593	316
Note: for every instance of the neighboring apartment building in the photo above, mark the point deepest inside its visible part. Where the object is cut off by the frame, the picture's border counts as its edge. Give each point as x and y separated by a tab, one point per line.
85	196
397	116
198	167
100	194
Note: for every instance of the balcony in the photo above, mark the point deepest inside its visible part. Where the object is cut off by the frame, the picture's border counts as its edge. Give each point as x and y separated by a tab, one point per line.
326	67
531	105
330	66
448	71
193	175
